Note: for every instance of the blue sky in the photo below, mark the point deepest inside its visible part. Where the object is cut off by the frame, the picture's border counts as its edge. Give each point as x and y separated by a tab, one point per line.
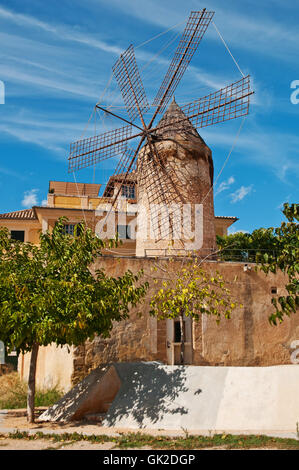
56	60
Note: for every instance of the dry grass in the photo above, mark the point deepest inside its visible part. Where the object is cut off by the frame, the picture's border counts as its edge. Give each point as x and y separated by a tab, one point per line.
13	393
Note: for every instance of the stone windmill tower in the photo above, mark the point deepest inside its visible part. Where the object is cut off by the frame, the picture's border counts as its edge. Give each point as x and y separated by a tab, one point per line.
172	163
184	180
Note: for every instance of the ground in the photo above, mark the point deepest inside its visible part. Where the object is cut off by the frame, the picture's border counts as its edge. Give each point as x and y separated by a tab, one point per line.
17	434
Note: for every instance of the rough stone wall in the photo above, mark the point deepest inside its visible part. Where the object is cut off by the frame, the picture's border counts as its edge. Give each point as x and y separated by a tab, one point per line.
247	339
177	169
130	341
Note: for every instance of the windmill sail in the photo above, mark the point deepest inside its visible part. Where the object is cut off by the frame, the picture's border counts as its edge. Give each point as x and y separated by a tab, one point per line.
228	103
195	29
157	176
128	78
87	152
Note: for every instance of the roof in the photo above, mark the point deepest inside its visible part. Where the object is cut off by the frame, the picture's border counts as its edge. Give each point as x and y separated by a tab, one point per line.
175	121
26	214
225	217
30	214
79	209
131	178
67	188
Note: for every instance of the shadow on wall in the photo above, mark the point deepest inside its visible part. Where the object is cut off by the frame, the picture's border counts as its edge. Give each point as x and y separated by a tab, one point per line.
148	391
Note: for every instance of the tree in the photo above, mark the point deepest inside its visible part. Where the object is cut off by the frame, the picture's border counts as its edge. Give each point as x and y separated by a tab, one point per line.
286	259
192	292
241	246
272	249
48	293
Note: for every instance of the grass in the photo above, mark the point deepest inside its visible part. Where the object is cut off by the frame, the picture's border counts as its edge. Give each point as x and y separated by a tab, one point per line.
13	393
137	440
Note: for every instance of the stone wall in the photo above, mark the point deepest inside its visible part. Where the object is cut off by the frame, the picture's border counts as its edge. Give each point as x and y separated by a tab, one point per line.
54	367
247	339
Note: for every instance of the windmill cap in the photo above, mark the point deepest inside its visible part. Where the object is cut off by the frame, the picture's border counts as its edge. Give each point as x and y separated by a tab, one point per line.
174	120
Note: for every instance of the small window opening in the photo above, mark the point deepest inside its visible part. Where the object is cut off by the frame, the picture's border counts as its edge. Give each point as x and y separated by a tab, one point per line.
18	235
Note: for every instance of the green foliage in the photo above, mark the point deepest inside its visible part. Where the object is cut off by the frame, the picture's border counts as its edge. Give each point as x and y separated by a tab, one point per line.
140	440
246	246
48	293
272	249
193	292
286	259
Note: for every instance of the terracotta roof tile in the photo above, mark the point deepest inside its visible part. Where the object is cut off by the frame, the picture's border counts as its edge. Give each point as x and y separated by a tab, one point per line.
25	214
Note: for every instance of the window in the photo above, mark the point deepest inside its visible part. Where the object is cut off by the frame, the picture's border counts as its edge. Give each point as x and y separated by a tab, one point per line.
18	235
124	232
128	191
69	229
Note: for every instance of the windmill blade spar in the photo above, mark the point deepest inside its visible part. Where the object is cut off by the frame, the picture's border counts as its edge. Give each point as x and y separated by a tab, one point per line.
128	78
87	152
223	105
195	29
160	186
124	173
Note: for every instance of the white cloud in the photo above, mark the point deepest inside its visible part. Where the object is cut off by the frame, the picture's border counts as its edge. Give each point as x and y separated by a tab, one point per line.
72	83
45	131
61	31
241	193
261	148
257	33
225	185
30	198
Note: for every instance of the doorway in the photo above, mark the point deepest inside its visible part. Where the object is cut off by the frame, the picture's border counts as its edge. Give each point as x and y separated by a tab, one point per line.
173	341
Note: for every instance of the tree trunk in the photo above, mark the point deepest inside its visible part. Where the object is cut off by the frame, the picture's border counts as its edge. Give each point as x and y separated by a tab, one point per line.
182	339
31	384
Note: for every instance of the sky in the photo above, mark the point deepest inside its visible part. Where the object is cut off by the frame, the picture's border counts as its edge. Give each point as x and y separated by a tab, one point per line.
56	64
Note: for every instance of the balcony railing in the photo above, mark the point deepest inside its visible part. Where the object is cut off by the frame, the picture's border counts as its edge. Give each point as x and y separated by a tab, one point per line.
224	254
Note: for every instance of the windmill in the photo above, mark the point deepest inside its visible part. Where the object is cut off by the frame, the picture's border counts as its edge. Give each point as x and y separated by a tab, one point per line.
153	173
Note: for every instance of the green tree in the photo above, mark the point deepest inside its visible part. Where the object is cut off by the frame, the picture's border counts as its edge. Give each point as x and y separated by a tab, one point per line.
244	247
272	249
48	293
191	292
286	259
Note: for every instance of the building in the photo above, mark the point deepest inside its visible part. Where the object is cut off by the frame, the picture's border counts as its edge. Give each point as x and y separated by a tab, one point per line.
247	339
79	202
